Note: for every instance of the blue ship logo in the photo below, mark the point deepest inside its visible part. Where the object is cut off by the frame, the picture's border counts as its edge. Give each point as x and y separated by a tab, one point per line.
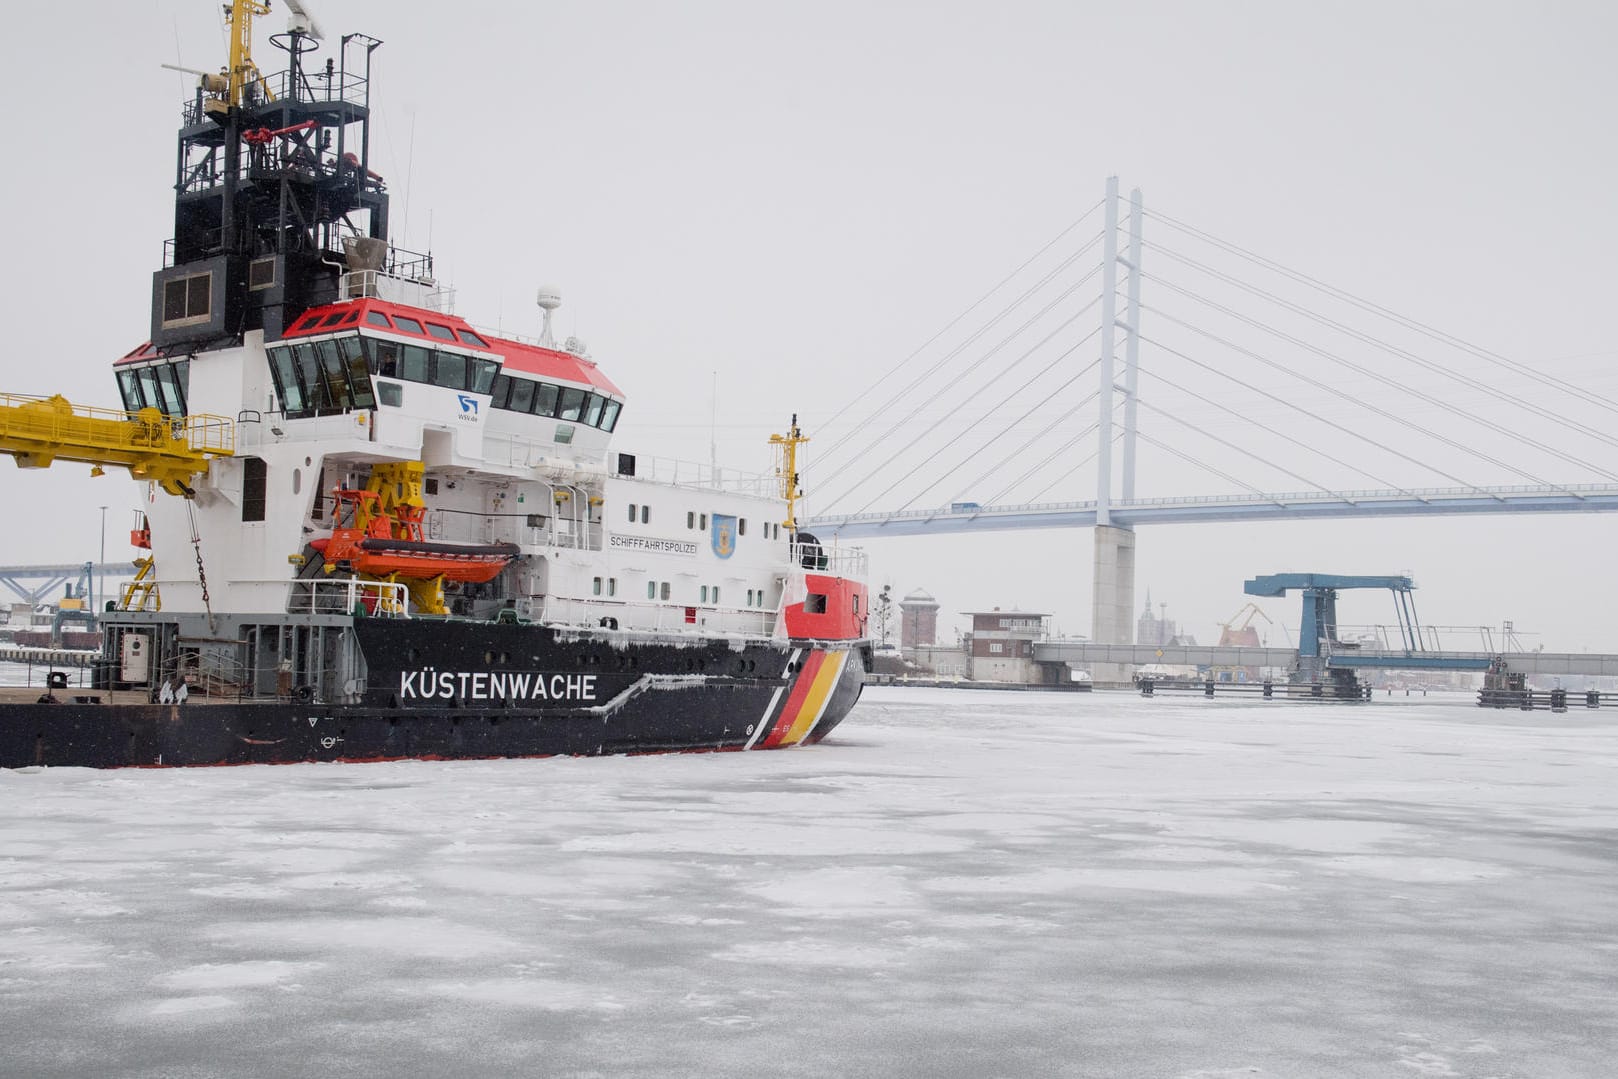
469	404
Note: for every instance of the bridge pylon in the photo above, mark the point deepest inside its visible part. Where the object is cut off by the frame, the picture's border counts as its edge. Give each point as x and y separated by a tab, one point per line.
1113	580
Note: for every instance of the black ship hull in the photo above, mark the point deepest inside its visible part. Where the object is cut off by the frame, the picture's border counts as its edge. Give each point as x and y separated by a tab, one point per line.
479	691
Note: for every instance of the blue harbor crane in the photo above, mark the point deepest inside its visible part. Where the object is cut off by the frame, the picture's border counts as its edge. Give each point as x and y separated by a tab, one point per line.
1317	632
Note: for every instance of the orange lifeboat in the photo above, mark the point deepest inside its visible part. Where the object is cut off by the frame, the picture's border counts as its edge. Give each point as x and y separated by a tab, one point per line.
391	545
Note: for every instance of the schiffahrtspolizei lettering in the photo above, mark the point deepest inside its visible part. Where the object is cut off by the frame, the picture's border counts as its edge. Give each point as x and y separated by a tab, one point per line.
432	684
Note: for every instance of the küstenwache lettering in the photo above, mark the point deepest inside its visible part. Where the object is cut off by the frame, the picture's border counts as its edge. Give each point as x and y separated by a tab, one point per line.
431	684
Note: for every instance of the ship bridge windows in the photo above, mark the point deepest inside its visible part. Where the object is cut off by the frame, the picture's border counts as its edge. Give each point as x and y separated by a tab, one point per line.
316	378
443	333
514	393
162	386
409	325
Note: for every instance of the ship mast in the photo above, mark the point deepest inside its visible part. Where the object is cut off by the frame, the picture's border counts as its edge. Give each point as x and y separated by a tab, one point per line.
786	469
275	203
242	69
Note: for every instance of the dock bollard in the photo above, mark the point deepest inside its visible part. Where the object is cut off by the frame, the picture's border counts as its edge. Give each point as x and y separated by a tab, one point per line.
1558	700
1592	699
1317	690
1269	689
1145	687
1207	688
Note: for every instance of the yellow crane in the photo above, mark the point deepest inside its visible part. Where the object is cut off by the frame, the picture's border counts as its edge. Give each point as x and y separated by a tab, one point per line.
170	451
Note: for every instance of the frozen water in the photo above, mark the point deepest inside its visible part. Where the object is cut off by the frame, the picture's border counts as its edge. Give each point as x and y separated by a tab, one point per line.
957	884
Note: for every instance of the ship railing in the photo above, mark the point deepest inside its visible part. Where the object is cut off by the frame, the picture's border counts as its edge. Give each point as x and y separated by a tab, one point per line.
373	284
54	420
313	88
650	617
835	560
383	599
678	473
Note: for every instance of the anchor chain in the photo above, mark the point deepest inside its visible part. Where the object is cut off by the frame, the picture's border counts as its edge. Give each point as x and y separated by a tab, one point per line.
202	573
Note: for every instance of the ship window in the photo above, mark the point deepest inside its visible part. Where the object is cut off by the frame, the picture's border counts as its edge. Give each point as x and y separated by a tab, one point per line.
632	511
148	388
500	391
522	394
182	379
704	598
333	319
333	369
595	585
856	599
413	362
814	603
129	390
441	332
645	514
409	325
472	339
286	381
749	597
690	518
173	403
314	386
572	405
996	647
390	393
651	589
612	586
564	434
592	410
483	374
545	399
702	522
351	317
609	415
450	370
665	590
359	380
716	593
306	322
187	301
261	274
377	318
254	480
384	356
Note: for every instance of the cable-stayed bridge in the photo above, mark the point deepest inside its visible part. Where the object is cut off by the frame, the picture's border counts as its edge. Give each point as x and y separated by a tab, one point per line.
1150	372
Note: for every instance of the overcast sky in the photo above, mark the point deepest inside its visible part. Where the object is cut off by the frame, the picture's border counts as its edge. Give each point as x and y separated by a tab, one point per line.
787	199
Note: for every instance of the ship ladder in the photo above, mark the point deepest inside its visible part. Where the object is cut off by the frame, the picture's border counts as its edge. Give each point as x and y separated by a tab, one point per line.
143	589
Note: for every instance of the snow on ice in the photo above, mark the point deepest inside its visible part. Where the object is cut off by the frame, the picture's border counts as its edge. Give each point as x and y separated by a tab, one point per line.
957	884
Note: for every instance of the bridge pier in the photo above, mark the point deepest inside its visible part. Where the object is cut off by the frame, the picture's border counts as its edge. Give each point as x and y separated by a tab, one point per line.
1113	597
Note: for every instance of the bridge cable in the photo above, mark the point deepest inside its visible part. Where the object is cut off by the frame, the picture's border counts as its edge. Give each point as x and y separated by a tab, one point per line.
1387	313
1250	387
1063	448
1231	445
963	345
1278	433
1013	424
1060	358
1387	381
1054	240
1204	465
1041	433
1419	361
947	387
